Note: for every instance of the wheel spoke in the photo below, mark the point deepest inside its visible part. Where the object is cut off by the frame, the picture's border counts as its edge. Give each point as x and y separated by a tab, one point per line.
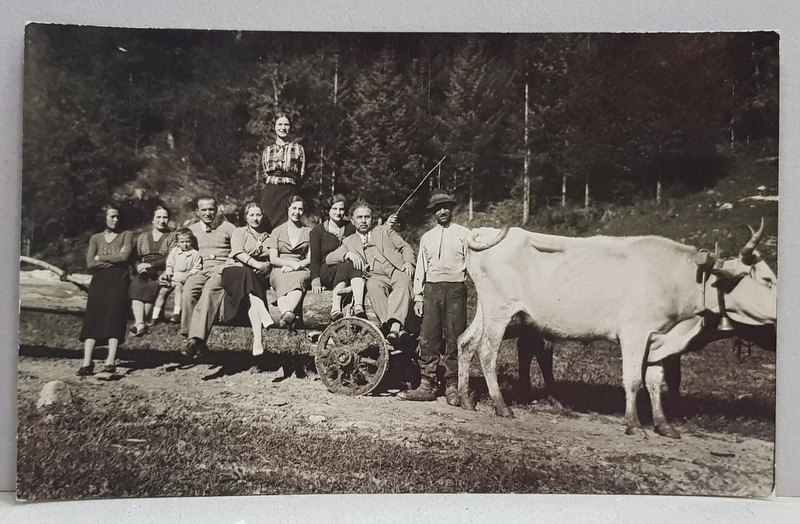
352	357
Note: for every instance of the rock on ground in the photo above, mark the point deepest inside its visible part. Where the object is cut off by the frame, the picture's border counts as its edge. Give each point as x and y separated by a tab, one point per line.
54	392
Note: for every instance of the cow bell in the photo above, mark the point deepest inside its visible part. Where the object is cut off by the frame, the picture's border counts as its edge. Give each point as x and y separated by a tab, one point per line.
724	321
725	324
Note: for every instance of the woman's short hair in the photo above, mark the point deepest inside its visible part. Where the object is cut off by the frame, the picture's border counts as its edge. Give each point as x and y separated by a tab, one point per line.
250	206
294	198
335	199
104	212
161	208
280	115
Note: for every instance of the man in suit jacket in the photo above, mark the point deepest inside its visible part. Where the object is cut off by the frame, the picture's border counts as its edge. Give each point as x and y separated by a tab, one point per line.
388	264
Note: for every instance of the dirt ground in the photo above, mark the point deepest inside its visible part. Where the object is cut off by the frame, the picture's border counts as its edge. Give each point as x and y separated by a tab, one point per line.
701	463
279	389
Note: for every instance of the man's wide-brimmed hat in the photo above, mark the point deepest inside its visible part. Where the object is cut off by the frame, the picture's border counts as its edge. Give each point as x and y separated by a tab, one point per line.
439	196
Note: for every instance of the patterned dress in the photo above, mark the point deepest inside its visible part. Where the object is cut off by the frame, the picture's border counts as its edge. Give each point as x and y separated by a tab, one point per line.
283	167
144	286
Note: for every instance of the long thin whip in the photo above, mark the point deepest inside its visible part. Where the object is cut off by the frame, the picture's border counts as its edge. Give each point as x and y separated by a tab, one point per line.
420	184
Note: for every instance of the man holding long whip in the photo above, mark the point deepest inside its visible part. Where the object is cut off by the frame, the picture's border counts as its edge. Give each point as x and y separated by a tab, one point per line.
440	293
440	297
388	265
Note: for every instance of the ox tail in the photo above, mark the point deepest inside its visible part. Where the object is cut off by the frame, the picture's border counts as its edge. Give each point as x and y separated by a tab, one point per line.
475	245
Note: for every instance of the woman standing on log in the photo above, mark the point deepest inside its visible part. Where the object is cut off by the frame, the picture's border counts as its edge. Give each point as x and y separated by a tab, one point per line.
289	254
107	305
283	166
152	248
325	237
244	277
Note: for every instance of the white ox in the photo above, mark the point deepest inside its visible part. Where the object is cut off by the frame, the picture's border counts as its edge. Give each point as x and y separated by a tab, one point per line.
641	292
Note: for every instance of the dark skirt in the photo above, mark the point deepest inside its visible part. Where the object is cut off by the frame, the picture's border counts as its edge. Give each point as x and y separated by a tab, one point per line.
273	204
239	283
144	287
330	276
107	306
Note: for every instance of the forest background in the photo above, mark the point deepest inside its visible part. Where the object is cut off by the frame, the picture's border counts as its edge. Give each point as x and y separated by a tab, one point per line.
578	123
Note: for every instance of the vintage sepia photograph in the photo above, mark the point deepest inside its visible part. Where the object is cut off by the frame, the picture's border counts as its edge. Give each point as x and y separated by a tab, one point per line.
274	263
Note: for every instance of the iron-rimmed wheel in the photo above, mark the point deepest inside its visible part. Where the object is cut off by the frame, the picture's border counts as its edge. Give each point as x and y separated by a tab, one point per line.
352	356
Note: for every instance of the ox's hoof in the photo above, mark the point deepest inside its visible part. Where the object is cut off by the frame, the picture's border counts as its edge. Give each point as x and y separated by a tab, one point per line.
555	404
667	430
504	412
634	430
467	402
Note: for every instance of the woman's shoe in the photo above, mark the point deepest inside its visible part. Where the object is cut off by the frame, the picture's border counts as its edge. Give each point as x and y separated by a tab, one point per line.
358	311
139	329
85	371
336	315
287	320
111	370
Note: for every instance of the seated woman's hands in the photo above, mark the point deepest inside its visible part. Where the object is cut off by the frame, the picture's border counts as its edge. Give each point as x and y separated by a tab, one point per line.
290	266
316	286
260	267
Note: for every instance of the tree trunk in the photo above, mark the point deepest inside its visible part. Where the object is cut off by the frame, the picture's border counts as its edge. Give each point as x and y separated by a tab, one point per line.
275	87
526	180
471	198
335	79
335	101
733	105
586	195
564	190
658	192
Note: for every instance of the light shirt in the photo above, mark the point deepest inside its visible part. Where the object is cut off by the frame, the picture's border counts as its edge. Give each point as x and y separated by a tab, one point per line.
442	257
181	264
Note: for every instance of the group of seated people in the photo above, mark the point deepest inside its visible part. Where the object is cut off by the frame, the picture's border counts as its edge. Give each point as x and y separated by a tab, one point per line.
215	270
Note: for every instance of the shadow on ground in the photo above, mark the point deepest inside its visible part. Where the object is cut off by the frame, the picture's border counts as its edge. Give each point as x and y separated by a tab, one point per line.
228	363
610	400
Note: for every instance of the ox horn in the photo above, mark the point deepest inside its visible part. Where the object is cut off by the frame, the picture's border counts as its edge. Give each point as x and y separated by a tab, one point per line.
481	246
747	251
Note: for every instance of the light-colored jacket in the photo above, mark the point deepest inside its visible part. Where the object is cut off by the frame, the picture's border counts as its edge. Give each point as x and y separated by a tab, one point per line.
396	250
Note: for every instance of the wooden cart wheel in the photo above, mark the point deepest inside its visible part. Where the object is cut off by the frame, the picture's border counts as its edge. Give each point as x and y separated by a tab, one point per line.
352	356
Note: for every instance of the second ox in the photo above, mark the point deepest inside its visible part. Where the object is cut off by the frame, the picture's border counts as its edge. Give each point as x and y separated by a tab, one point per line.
652	295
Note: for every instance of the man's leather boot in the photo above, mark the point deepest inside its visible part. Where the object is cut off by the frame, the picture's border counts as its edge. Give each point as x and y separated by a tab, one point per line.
425	392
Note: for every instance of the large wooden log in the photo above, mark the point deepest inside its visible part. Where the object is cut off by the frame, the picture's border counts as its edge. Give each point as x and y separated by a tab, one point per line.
42	290
316	311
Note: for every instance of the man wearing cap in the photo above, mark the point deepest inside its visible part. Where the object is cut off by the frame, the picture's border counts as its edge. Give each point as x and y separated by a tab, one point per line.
203	292
388	265
440	292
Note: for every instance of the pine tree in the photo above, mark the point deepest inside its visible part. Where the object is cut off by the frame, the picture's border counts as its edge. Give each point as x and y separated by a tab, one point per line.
382	155
472	127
